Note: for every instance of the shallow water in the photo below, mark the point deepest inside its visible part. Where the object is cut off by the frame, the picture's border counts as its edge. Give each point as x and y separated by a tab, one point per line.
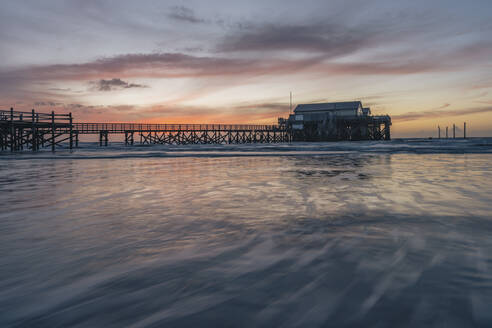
378	234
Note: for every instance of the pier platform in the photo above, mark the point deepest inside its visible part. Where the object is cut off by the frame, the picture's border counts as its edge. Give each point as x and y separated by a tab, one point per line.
33	130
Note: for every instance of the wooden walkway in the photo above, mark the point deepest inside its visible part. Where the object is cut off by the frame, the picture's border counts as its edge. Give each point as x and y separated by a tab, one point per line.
32	131
183	134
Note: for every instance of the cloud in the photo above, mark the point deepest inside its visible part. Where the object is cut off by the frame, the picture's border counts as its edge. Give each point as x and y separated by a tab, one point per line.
60	89
178	65
263	107
223	69
182	13
338	34
487	102
333	39
381	47
156	65
265	113
47	104
412	116
114	84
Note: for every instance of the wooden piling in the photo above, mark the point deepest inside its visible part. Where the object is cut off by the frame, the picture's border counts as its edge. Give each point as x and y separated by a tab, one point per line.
34	137
71	130
12	130
53	144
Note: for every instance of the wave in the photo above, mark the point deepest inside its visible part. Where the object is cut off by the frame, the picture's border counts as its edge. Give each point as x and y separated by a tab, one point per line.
406	146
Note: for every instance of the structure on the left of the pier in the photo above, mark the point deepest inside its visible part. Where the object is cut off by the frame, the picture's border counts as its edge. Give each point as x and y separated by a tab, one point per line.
33	131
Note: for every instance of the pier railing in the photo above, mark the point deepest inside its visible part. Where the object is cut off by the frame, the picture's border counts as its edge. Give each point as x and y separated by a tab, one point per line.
31	130
94	128
32	116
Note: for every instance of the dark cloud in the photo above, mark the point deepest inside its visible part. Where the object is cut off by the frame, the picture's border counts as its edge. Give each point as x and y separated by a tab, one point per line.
182	13
411	116
336	34
114	84
333	39
337	38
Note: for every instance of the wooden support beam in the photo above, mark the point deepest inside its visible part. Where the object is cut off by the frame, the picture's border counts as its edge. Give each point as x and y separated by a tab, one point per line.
53	131
71	130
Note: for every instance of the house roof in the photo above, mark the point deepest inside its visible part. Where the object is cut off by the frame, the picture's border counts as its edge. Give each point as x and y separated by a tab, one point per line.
323	107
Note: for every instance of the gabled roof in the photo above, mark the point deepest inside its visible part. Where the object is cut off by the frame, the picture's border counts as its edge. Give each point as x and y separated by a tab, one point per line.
323	107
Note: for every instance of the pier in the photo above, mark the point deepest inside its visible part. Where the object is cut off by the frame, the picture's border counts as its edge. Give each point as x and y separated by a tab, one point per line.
350	128
184	134
336	121
311	122
34	131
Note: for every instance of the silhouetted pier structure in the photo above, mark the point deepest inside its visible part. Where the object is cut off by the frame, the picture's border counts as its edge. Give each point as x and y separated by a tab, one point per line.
349	128
347	120
33	131
184	134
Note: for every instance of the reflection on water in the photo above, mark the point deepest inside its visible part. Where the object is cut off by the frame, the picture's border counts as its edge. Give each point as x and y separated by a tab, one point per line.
344	239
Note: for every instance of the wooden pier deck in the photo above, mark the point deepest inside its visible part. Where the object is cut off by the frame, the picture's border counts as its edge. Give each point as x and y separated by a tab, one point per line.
33	131
182	134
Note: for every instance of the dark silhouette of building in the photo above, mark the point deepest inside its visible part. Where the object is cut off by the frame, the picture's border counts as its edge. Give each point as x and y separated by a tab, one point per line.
337	121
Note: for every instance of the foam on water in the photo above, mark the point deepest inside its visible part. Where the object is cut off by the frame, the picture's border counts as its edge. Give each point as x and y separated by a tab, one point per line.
331	234
414	146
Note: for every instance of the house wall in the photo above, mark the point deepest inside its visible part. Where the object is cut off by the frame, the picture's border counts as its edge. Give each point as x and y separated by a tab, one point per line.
346	112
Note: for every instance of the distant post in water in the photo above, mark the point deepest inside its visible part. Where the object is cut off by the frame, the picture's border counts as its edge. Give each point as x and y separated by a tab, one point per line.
464	130
454	131
438	132
446	132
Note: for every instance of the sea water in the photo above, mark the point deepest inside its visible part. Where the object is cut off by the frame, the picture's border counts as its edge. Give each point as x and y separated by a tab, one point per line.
362	234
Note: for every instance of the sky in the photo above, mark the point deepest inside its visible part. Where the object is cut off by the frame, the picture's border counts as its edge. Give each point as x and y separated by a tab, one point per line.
425	63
